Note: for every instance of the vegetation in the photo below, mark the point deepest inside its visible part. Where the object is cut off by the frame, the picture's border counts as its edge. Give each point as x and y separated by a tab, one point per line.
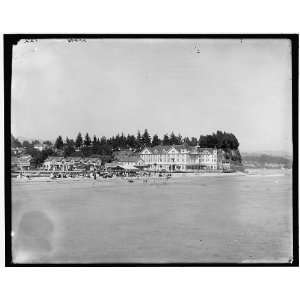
79	141
59	144
39	156
15	142
220	140
105	146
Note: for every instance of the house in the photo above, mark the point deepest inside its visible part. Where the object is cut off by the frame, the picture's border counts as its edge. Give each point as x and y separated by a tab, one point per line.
208	158
72	163
23	162
226	165
129	161
93	162
54	163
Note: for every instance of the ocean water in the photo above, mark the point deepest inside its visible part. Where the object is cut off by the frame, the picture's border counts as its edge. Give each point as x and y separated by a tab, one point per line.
205	219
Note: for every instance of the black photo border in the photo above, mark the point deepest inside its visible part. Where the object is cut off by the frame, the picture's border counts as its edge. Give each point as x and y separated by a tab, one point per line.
12	39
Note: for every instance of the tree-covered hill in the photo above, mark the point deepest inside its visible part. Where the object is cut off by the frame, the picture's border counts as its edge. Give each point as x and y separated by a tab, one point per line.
87	145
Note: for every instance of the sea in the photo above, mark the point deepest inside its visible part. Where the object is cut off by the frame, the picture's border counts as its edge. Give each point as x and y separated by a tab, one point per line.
229	218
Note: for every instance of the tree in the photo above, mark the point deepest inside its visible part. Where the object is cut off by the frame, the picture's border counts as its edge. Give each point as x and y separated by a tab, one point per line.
26	144
70	142
48	143
220	137
131	141
95	141
146	139
68	150
87	140
210	141
35	142
69	147
173	139
59	143
155	140
194	141
138	139
15	142
203	141
187	141
87	151
78	142
220	140
235	142
166	140
103	140
179	139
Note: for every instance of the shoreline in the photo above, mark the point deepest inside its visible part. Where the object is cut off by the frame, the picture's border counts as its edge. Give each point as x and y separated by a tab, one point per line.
114	179
153	178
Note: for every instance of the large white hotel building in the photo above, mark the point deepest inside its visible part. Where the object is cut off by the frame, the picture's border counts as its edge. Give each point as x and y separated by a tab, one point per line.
182	158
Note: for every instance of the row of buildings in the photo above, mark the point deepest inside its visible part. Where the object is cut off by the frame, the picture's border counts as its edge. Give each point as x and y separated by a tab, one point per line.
176	158
71	163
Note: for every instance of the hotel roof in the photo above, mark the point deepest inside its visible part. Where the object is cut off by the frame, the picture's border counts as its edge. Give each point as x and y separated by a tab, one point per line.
161	149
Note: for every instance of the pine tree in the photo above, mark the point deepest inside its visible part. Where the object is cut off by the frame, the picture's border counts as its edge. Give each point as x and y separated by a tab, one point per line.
131	141
138	140
187	141
146	139
79	141
179	139
173	139
155	140
87	140
203	141
59	143
166	140
194	141
94	140
103	141
69	147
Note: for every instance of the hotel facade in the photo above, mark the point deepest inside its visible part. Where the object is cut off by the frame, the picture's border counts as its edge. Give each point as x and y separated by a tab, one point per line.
182	158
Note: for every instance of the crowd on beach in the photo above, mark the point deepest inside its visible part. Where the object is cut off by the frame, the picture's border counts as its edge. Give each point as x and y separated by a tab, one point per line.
95	175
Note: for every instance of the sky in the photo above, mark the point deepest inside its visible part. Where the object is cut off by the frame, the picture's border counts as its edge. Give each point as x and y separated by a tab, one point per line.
189	86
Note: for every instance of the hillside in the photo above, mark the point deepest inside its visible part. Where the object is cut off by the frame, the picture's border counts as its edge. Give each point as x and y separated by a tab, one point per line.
266	161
